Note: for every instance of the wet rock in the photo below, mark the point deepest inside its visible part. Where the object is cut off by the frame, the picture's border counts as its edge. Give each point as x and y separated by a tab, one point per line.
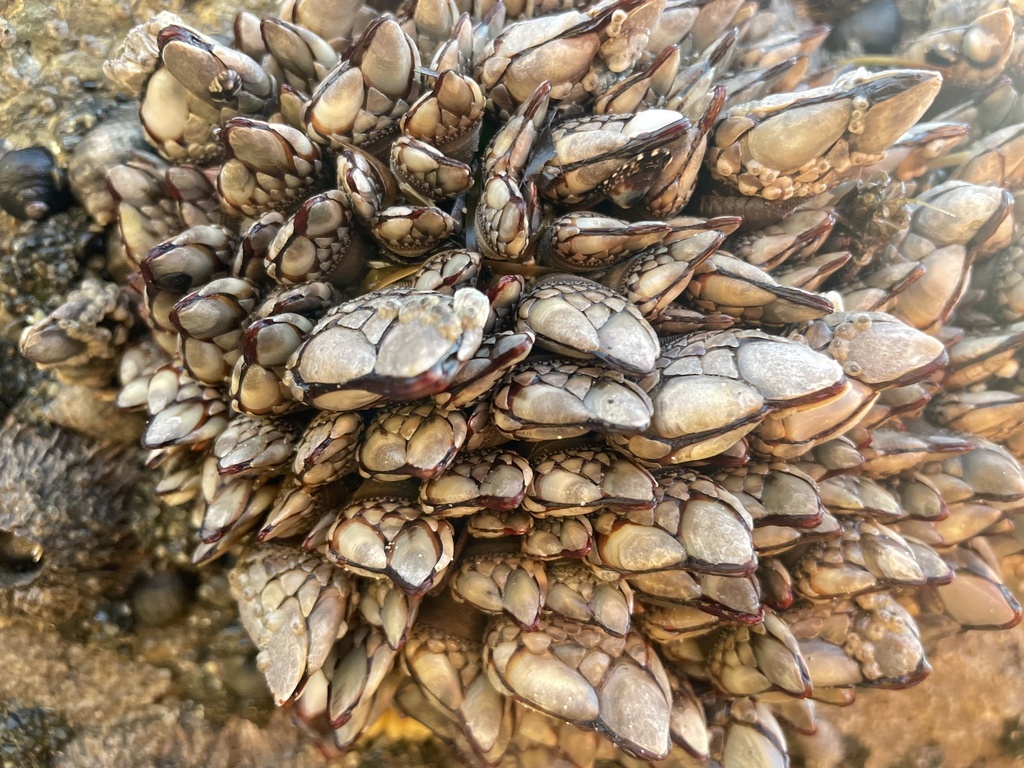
39	263
65	505
30	737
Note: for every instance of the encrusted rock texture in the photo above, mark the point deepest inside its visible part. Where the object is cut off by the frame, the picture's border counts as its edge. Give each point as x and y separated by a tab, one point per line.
84	682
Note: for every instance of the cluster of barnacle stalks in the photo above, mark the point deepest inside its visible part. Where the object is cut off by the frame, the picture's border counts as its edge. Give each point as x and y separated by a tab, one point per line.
503	430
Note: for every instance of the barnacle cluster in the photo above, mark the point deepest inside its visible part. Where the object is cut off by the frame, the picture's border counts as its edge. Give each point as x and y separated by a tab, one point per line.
506	427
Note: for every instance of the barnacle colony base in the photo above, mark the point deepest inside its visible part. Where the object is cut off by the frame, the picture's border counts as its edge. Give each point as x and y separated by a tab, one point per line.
506	427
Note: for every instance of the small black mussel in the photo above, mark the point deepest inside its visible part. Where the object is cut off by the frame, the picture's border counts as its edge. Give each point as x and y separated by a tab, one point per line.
32	185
